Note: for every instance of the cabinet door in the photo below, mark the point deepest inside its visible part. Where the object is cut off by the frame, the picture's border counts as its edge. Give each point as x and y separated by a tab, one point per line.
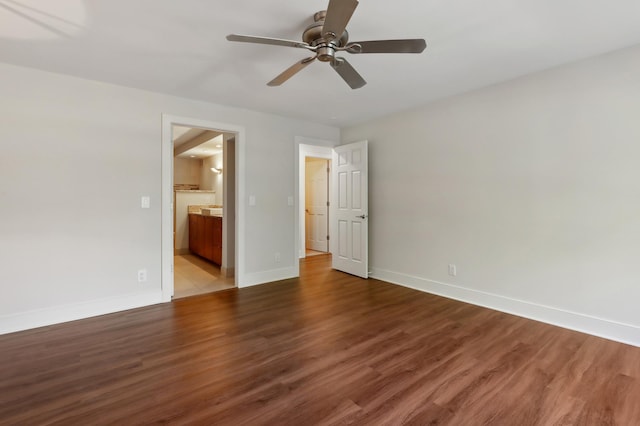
217	240
193	226
207	237
196	232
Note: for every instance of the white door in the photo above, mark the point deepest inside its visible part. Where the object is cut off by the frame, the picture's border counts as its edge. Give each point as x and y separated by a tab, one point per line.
349	209
316	204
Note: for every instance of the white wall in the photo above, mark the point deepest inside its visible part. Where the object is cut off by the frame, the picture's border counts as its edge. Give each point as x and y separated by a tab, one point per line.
89	151
187	171
531	187
210	180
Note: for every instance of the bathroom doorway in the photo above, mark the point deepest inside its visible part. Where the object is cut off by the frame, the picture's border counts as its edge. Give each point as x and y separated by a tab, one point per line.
199	224
198	182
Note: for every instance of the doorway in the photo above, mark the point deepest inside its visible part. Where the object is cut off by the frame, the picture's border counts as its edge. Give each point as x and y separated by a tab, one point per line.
199	176
314	150
316	205
214	186
348	212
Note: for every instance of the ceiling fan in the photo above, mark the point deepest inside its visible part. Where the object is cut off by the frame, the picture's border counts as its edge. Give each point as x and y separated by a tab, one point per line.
328	36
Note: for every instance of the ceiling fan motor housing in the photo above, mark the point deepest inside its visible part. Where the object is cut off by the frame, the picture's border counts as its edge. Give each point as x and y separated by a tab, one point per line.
326	48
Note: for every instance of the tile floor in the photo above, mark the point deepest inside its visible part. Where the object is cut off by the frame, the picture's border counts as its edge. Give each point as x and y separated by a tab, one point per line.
193	275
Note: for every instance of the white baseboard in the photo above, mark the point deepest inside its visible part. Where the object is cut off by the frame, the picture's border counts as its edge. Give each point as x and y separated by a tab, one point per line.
256	278
64	313
608	329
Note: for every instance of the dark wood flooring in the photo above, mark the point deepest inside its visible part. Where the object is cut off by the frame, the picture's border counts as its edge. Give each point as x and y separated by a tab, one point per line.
325	349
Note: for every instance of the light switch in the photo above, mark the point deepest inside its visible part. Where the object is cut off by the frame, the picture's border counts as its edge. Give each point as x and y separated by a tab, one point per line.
252	200
145	202
290	200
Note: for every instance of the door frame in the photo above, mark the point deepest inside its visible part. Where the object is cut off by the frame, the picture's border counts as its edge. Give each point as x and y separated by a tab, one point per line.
305	147
167	250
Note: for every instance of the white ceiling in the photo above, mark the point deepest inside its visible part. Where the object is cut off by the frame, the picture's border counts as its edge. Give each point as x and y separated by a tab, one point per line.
179	47
205	148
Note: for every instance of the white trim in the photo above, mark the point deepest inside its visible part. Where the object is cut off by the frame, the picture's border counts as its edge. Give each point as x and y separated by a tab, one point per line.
305	147
167	195
608	329
256	278
60	314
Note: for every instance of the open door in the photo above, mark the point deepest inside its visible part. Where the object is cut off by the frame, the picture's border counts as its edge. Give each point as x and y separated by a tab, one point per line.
349	209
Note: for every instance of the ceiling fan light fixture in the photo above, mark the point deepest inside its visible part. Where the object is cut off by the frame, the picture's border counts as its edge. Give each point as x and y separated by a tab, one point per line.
328	35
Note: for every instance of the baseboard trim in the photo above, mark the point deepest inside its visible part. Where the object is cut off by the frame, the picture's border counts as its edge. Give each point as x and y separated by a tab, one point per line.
264	277
600	327
64	313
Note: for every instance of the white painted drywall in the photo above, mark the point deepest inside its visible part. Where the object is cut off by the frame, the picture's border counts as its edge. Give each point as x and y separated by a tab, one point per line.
230	212
530	187
187	171
210	180
90	150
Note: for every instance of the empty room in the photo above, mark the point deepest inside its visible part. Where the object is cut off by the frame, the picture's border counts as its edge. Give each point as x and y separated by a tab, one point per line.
471	258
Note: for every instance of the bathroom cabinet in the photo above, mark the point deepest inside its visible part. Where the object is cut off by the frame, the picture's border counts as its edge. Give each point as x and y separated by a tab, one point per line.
205	237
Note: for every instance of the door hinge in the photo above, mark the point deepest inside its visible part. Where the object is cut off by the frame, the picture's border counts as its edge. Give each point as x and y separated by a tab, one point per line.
328	170
327	238
327	204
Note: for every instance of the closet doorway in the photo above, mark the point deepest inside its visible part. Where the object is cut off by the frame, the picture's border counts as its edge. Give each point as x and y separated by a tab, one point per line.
313	181
316	205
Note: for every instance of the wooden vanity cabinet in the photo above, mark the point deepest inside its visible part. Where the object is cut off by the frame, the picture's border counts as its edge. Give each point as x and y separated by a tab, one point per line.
205	237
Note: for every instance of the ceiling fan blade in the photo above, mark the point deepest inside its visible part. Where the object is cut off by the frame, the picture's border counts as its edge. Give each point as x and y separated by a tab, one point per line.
339	13
415	45
348	73
267	40
291	71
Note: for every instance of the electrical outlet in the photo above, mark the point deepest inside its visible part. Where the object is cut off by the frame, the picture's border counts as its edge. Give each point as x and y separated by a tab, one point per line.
142	275
452	270
277	257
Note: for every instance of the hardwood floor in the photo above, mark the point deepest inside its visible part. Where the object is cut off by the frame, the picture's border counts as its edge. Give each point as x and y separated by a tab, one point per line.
326	349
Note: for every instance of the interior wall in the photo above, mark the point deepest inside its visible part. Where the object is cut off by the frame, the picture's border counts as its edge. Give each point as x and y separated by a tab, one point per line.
210	180
529	187
229	203
78	155
217	178
186	171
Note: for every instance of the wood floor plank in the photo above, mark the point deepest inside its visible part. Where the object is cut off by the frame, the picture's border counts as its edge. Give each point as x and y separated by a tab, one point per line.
326	349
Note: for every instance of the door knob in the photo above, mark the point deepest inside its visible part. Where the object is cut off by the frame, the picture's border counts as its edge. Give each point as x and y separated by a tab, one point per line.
364	216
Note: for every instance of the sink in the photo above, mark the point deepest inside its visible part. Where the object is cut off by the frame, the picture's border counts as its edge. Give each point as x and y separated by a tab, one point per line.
212	211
